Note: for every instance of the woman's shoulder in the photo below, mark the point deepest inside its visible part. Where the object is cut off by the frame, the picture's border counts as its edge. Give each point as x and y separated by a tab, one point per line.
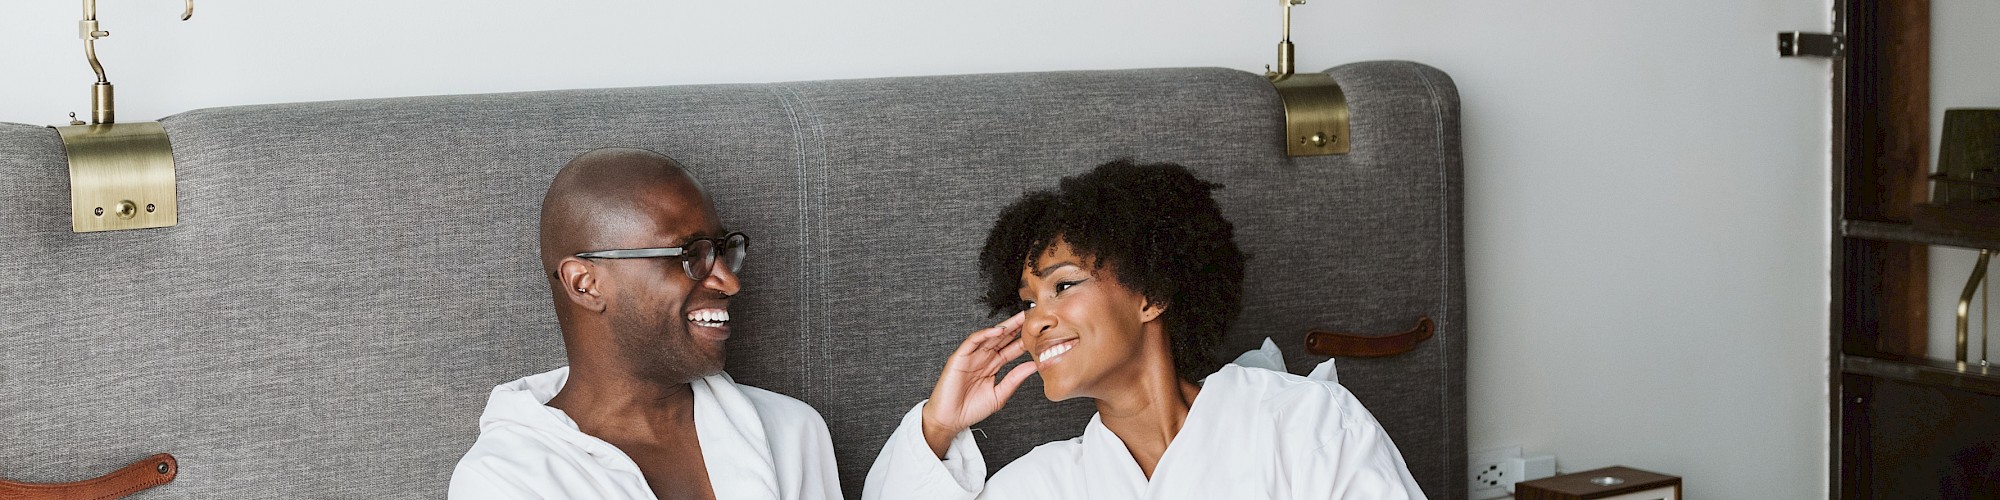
1063	458
1040	472
1286	398
1052	454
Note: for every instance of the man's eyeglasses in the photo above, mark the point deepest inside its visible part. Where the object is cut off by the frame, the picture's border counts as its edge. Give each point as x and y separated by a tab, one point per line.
697	257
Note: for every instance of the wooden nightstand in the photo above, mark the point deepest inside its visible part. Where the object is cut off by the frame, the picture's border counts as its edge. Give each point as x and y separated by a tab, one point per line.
1609	483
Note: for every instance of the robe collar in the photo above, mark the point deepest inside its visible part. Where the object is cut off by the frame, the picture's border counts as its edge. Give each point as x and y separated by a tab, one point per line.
1113	472
734	446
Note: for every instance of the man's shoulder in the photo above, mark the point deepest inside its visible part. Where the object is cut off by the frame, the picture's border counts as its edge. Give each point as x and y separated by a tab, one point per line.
511	446
779	407
510	462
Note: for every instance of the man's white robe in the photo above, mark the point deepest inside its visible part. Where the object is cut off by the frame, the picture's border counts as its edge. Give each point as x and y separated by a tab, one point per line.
1251	433
756	444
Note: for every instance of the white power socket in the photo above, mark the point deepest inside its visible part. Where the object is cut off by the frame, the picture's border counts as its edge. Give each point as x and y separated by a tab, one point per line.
1492	473
1483	474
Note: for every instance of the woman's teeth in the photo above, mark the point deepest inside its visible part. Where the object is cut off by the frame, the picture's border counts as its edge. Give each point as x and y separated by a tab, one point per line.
709	317
1053	352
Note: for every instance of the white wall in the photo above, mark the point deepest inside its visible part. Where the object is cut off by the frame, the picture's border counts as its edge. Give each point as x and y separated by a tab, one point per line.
1646	192
1965	73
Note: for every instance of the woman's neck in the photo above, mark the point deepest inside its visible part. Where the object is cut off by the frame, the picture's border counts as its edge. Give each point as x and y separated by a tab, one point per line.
1148	413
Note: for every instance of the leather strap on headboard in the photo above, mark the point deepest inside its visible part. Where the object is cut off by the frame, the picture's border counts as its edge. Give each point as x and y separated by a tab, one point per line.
1348	345
153	471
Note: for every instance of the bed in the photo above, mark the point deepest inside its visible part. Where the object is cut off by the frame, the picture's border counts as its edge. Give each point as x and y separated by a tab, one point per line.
347	280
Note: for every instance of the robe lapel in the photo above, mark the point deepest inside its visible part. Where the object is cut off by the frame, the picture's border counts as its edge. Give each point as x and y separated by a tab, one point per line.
1109	473
1221	439
733	444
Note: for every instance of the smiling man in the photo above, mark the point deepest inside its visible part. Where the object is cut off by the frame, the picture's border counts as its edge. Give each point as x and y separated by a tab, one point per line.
641	271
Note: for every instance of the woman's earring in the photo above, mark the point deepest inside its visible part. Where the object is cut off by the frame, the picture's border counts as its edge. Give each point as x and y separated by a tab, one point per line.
581	290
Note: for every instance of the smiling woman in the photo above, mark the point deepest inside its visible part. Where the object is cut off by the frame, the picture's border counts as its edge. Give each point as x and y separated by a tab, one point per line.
1121	283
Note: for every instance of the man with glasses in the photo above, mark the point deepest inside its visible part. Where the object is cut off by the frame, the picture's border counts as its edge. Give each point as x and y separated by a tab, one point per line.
642	271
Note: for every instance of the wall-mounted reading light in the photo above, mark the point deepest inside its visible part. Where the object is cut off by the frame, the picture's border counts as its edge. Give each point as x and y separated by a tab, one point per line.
121	175
1315	109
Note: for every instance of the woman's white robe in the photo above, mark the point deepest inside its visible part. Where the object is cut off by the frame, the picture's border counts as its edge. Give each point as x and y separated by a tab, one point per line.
1251	433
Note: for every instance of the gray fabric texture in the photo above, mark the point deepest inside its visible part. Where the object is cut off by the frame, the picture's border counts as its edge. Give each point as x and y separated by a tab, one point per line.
349	279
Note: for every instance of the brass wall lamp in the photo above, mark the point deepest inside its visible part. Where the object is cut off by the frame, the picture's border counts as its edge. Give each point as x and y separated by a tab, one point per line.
1315	109
121	175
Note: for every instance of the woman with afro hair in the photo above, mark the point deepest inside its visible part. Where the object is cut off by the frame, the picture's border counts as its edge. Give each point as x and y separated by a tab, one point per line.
1121	283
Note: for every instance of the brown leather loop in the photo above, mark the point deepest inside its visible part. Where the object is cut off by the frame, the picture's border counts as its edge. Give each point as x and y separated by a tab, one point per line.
1349	345
153	471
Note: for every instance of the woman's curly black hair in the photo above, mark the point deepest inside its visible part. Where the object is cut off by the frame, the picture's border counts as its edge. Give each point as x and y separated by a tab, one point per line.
1157	228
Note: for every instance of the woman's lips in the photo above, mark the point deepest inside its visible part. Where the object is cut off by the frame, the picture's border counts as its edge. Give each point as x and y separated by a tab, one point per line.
1054	352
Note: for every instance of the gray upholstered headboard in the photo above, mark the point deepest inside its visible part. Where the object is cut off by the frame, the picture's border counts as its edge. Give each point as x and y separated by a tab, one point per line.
349	279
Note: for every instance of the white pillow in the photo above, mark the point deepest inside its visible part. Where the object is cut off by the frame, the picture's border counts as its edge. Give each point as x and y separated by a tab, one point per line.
1270	358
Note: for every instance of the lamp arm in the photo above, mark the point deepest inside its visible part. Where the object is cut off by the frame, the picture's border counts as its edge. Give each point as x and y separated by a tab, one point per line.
1284	45
100	97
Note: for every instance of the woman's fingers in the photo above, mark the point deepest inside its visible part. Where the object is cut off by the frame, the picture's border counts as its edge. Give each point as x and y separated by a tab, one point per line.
1013	322
995	339
1013	350
972	343
968	391
1005	389
990	337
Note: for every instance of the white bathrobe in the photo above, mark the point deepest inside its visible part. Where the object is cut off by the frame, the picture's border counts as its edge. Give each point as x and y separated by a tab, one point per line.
1252	433
756	444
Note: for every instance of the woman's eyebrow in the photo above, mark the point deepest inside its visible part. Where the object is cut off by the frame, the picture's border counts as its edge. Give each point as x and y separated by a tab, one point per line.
1045	270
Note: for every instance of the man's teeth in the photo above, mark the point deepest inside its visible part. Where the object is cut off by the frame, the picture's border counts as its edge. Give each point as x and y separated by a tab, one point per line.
1052	352
709	317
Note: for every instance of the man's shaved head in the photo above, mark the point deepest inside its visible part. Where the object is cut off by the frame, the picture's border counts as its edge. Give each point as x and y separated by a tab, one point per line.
598	200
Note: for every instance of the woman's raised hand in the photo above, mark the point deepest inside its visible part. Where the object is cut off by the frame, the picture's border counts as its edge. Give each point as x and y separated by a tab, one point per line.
967	392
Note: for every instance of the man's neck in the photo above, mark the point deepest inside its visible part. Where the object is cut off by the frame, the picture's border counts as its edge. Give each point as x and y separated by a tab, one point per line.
653	423
616	401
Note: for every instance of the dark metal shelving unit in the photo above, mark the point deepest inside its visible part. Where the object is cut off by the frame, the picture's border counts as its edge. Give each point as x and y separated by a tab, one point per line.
1908	233
1903	427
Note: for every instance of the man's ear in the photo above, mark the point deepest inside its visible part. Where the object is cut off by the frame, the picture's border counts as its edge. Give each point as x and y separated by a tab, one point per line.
1151	311
579	282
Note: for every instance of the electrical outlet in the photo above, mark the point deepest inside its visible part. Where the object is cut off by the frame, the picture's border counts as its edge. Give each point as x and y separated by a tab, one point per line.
1484	478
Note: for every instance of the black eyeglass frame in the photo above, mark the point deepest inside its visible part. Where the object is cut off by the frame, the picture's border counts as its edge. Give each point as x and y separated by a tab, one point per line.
717	245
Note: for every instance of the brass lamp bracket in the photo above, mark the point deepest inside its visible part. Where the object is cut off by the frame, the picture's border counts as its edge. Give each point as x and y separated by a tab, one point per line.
121	175
1316	115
